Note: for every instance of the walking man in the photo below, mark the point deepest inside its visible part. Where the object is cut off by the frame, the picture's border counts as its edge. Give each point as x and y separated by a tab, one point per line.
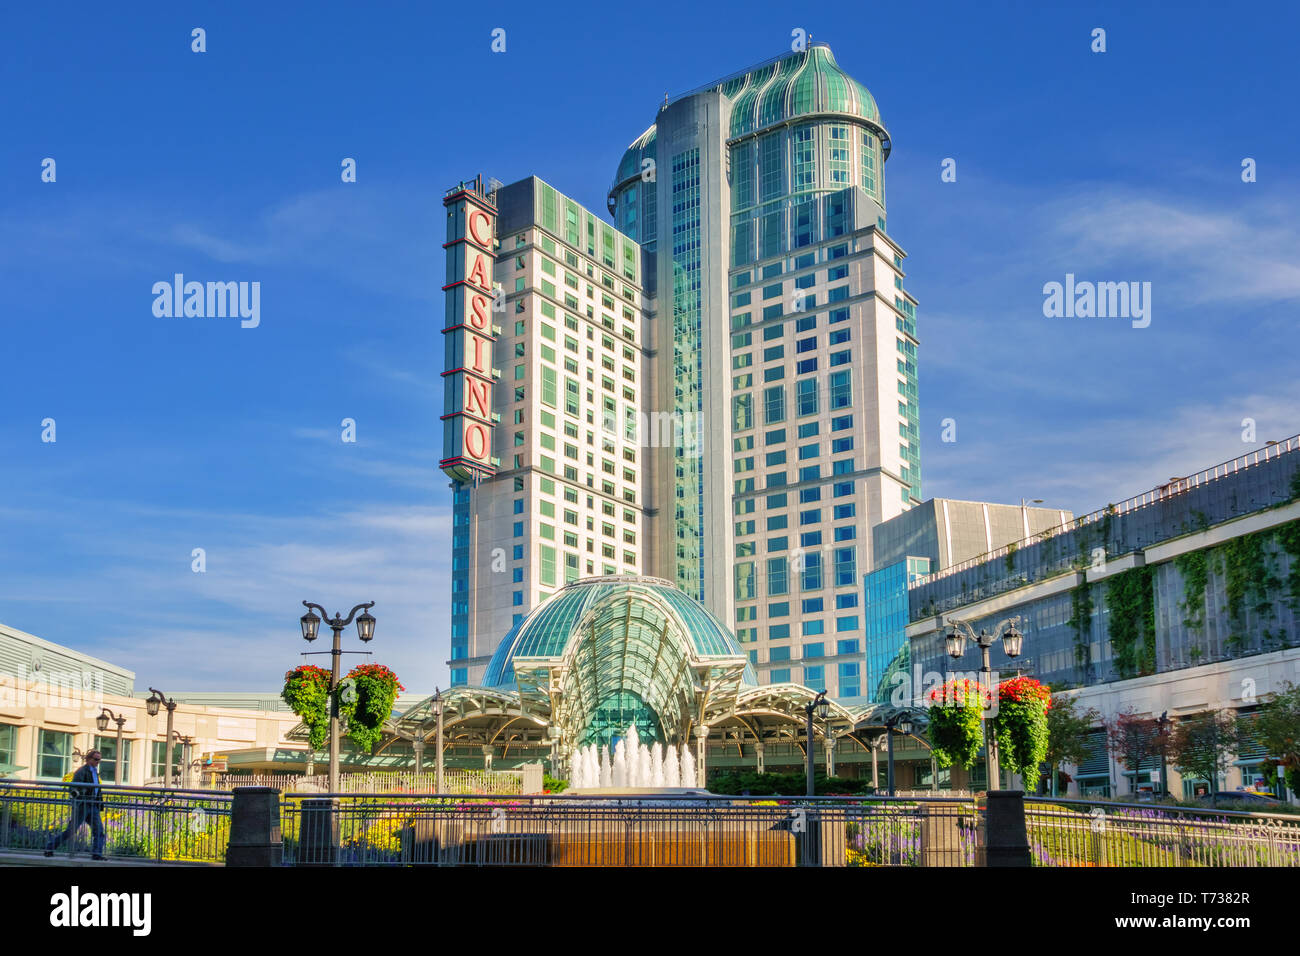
87	801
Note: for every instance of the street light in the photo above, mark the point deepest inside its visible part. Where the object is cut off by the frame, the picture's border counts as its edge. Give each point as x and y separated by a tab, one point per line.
1162	727
902	722
1012	643
822	707
310	628
102	723
156	699
437	757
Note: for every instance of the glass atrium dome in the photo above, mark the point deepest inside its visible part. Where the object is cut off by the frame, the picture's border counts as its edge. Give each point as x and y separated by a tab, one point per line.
617	650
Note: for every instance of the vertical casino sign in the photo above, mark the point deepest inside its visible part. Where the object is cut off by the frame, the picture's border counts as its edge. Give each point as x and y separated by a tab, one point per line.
468	379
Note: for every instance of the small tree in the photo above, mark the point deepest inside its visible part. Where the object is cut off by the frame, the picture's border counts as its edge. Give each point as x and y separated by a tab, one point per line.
1067	734
1277	728
1203	744
1133	740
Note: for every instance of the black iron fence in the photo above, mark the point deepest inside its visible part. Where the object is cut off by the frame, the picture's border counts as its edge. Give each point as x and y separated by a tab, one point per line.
1079	833
670	830
139	823
559	830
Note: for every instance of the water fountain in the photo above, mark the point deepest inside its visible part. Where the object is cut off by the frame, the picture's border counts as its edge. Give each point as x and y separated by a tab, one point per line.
634	766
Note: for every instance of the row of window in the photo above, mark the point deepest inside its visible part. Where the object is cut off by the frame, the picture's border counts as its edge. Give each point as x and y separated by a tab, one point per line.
815	650
815	678
807	399
808	564
55	759
763	162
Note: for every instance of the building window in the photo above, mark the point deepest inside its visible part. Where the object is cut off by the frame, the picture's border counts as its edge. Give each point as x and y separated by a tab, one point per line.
812	571
107	747
777	576
8	743
53	754
845	566
841	390
774	405
849	680
814	678
806	394
779	676
158	759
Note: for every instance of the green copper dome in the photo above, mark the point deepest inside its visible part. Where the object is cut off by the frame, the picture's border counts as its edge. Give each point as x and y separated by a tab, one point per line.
644	611
803	83
643	147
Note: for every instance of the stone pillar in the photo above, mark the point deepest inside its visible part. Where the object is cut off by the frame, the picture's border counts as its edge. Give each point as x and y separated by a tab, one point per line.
318	832
875	767
418	746
830	756
254	827
487	757
758	753
1006	839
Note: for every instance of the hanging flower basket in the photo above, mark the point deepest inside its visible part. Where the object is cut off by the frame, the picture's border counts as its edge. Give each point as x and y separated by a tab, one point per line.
1021	725
955	710
366	698
306	691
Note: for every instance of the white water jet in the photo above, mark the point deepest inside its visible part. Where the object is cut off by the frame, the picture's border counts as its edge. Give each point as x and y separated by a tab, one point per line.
633	765
606	771
688	768
672	770
576	769
620	764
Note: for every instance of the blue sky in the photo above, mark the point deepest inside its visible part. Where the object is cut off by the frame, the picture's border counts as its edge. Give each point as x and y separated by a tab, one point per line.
176	434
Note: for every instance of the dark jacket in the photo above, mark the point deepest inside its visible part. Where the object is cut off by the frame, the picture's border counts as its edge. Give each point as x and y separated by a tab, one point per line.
83	787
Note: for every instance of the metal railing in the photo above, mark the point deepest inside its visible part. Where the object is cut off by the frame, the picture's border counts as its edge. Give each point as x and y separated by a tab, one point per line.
1159	493
139	823
562	830
1079	833
493	782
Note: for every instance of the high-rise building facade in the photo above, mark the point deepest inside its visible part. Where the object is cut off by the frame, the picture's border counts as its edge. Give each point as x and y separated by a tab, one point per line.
562	494
781	301
748	323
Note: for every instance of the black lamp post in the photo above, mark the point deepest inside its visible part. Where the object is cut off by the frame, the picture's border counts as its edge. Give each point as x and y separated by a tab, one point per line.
822	707
155	700
366	631
1162	728
959	632
102	723
902	722
437	756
